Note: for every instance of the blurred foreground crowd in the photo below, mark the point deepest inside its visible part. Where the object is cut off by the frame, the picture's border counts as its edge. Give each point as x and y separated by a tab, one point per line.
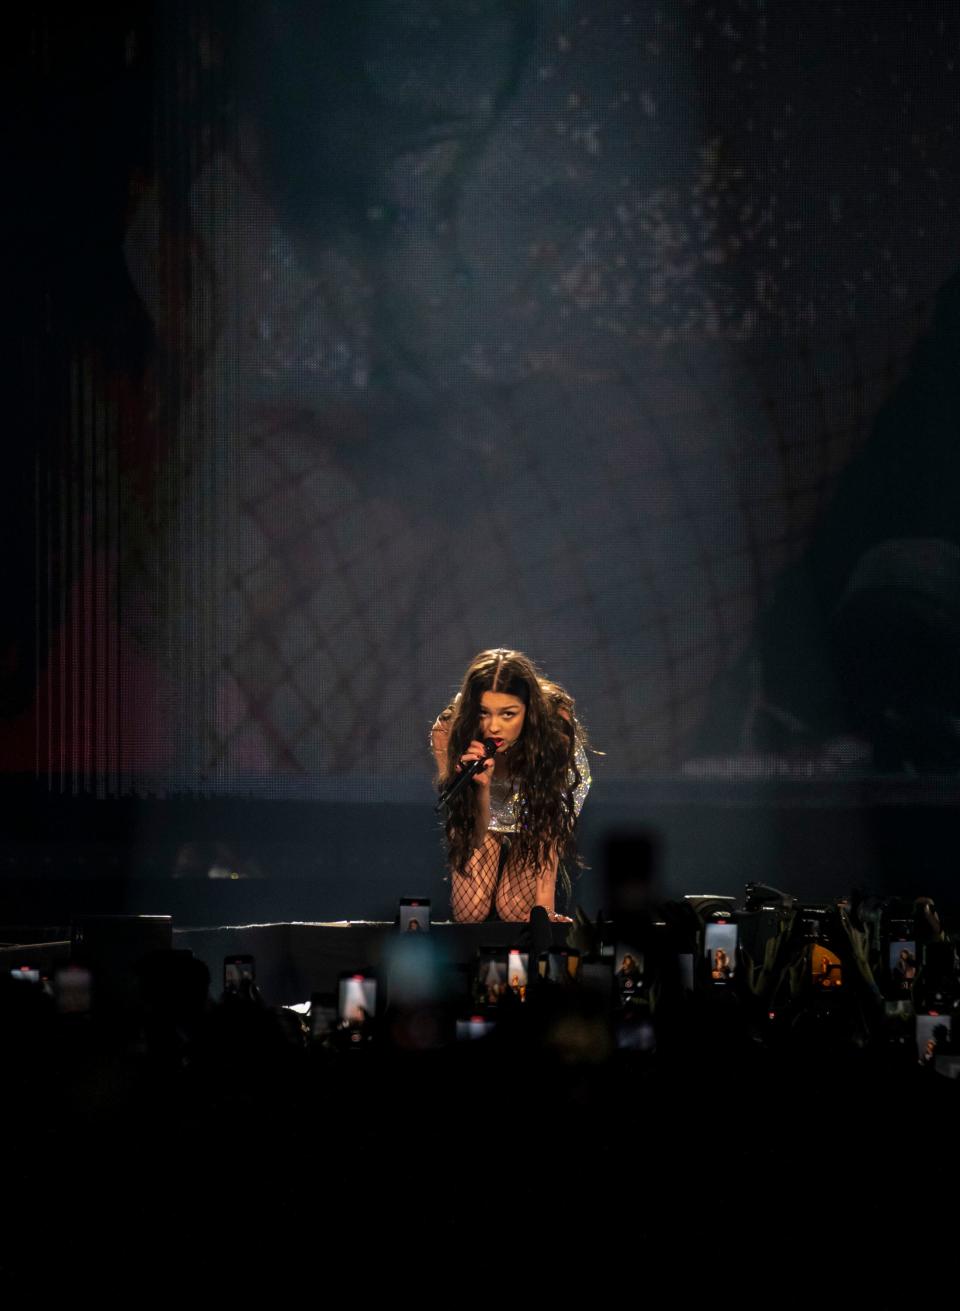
637	1093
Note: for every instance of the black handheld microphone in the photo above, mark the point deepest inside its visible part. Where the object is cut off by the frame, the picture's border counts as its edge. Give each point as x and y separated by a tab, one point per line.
466	774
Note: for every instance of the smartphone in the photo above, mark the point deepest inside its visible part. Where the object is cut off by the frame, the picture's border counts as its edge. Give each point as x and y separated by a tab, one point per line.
826	968
239	974
411	970
71	989
901	966
628	970
476	1026
933	1037
561	964
357	999
517	963
26	973
491	975
323	1015
811	922
720	949
414	915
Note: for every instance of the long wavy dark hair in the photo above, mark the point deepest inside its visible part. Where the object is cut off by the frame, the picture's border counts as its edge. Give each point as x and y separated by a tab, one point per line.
542	762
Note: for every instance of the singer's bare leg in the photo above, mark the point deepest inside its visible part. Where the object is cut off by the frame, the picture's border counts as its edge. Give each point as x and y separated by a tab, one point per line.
471	892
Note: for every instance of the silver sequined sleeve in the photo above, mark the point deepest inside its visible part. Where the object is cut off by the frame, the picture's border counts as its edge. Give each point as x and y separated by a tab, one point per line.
583	787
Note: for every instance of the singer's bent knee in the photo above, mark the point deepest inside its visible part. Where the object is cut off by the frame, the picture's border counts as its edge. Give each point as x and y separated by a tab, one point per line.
470	914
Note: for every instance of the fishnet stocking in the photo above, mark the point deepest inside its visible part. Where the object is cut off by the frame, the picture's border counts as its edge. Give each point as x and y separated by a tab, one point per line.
472	892
517	893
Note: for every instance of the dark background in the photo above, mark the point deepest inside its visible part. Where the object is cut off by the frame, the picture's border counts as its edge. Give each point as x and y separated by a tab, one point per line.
348	340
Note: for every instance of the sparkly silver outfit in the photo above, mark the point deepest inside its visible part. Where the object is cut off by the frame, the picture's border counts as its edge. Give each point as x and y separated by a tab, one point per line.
505	796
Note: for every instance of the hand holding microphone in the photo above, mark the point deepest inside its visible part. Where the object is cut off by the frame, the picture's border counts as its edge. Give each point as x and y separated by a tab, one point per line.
476	763
478	760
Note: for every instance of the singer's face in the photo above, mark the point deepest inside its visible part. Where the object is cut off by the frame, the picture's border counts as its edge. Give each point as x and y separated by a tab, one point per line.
501	717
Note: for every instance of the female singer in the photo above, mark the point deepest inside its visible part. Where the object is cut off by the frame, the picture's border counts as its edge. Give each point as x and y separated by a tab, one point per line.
508	831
